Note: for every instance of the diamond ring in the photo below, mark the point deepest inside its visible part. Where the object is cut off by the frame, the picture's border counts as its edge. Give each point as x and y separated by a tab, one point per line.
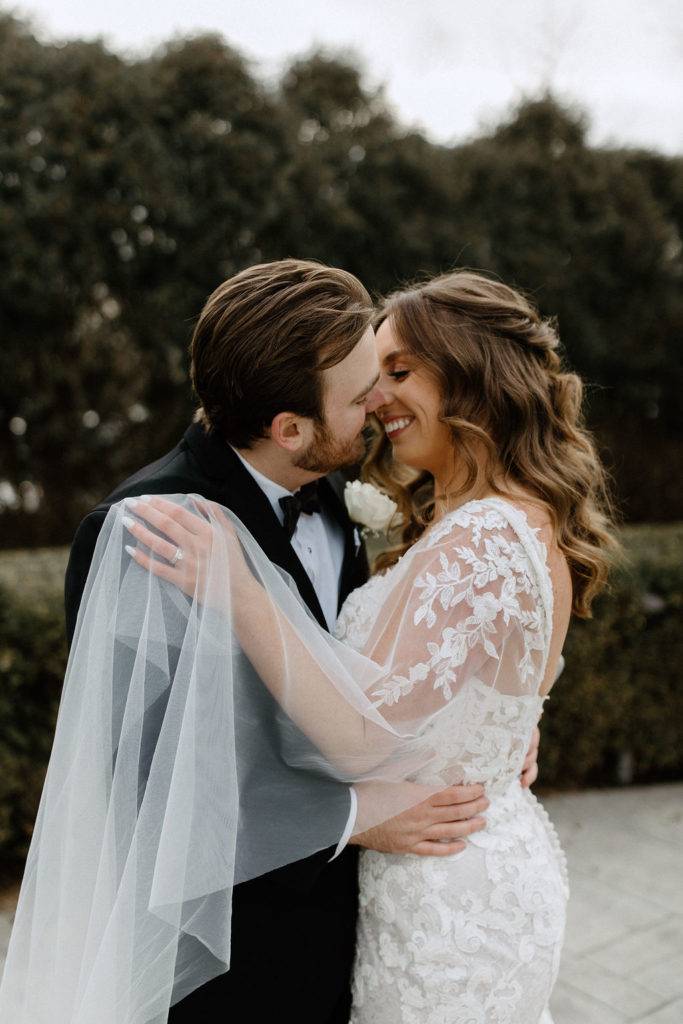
178	557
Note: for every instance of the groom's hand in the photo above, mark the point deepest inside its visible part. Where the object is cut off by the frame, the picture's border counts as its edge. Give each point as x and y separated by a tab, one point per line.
530	766
434	828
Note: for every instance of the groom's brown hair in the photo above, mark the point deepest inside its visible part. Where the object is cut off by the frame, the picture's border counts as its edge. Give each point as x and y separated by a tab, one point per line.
262	339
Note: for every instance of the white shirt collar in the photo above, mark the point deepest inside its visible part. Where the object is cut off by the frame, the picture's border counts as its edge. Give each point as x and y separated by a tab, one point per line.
318	543
272	491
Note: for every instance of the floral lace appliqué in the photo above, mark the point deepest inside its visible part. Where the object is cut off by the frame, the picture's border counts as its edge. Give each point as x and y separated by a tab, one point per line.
488	577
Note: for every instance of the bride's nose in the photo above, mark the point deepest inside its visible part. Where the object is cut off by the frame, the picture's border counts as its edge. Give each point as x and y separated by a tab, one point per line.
376	398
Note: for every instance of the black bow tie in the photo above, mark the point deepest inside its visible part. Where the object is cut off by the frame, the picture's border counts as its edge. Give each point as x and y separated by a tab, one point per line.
304	500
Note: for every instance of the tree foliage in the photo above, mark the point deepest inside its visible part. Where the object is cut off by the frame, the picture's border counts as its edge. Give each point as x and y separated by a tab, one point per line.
130	188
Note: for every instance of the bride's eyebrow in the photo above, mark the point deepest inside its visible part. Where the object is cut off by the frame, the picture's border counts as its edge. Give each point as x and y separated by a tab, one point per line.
398	353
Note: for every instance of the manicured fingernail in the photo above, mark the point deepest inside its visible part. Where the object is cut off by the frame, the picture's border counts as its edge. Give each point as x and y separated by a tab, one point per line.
133	552
128	522
130	502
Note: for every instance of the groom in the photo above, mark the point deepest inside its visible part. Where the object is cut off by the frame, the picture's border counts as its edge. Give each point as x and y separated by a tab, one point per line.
284	366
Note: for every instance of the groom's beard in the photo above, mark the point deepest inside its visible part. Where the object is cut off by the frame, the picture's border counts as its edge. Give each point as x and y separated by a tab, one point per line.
326	453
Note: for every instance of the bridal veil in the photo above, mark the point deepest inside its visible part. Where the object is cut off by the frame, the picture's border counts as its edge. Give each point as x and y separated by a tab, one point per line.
141	832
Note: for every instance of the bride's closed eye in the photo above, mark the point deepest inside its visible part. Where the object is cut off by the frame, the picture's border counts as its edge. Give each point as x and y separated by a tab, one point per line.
398	375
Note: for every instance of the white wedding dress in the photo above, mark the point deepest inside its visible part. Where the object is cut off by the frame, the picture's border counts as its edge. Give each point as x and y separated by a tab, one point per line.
472	938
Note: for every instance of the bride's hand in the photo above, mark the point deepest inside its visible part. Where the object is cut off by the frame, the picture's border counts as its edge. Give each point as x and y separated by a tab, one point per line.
182	555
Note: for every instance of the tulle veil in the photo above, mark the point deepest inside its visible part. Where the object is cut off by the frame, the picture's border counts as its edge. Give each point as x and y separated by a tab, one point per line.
142	831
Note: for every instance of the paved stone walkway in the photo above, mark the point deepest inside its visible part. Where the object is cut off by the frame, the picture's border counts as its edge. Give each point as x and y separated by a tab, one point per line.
623	956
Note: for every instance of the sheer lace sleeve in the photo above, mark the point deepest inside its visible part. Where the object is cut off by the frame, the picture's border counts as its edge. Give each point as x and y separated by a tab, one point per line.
473	602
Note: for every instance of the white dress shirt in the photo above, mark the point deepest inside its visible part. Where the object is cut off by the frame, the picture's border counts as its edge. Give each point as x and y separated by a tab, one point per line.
318	542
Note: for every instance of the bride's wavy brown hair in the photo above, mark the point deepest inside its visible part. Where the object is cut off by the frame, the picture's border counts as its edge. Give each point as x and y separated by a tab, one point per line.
503	385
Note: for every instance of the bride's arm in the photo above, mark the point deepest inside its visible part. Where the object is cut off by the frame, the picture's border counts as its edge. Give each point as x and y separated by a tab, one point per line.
465	607
286	661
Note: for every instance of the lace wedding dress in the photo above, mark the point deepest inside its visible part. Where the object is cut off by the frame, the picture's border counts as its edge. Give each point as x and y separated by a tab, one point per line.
472	938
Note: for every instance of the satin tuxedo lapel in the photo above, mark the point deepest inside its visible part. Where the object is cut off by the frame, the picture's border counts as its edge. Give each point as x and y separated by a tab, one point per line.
355	565
237	490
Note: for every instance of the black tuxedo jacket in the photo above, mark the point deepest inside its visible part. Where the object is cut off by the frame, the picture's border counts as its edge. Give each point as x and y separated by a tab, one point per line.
292	929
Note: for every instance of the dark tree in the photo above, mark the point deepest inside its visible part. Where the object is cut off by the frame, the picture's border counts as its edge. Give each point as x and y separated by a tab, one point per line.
130	188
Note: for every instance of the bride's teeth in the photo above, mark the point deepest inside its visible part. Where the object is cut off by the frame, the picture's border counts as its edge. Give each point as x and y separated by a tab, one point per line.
396	425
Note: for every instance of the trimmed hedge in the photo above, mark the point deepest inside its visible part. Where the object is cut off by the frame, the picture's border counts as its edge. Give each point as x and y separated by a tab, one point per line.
615	715
32	663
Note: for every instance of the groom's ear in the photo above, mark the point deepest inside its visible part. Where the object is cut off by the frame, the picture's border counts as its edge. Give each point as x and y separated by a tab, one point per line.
291	432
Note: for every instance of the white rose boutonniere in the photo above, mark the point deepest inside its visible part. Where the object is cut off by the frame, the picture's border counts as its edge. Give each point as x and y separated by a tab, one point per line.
369	507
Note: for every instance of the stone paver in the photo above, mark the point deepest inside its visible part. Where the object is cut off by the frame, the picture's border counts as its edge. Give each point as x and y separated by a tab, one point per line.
622	994
623	957
672	1013
569	1004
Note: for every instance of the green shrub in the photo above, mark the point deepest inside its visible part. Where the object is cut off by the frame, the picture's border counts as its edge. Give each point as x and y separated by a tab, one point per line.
32	663
616	713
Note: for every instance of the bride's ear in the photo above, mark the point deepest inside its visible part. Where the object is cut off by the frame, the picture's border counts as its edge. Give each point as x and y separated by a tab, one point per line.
291	432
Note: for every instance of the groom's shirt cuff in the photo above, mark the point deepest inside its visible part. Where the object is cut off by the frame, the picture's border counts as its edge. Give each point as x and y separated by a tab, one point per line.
346	834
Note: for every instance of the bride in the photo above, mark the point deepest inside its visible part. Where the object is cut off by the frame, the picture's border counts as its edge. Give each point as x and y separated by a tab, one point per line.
437	675
485	580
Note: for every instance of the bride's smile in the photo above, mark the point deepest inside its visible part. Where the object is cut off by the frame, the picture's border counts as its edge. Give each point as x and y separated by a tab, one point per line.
395	427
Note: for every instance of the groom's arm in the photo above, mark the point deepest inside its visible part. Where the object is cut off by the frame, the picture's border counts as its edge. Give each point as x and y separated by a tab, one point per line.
304	789
78	568
530	766
435	827
439	825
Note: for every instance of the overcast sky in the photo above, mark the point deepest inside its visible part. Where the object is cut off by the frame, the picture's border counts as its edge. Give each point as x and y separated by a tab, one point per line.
448	66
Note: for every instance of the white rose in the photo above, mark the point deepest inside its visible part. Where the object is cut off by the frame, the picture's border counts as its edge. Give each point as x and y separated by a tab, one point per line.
368	506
